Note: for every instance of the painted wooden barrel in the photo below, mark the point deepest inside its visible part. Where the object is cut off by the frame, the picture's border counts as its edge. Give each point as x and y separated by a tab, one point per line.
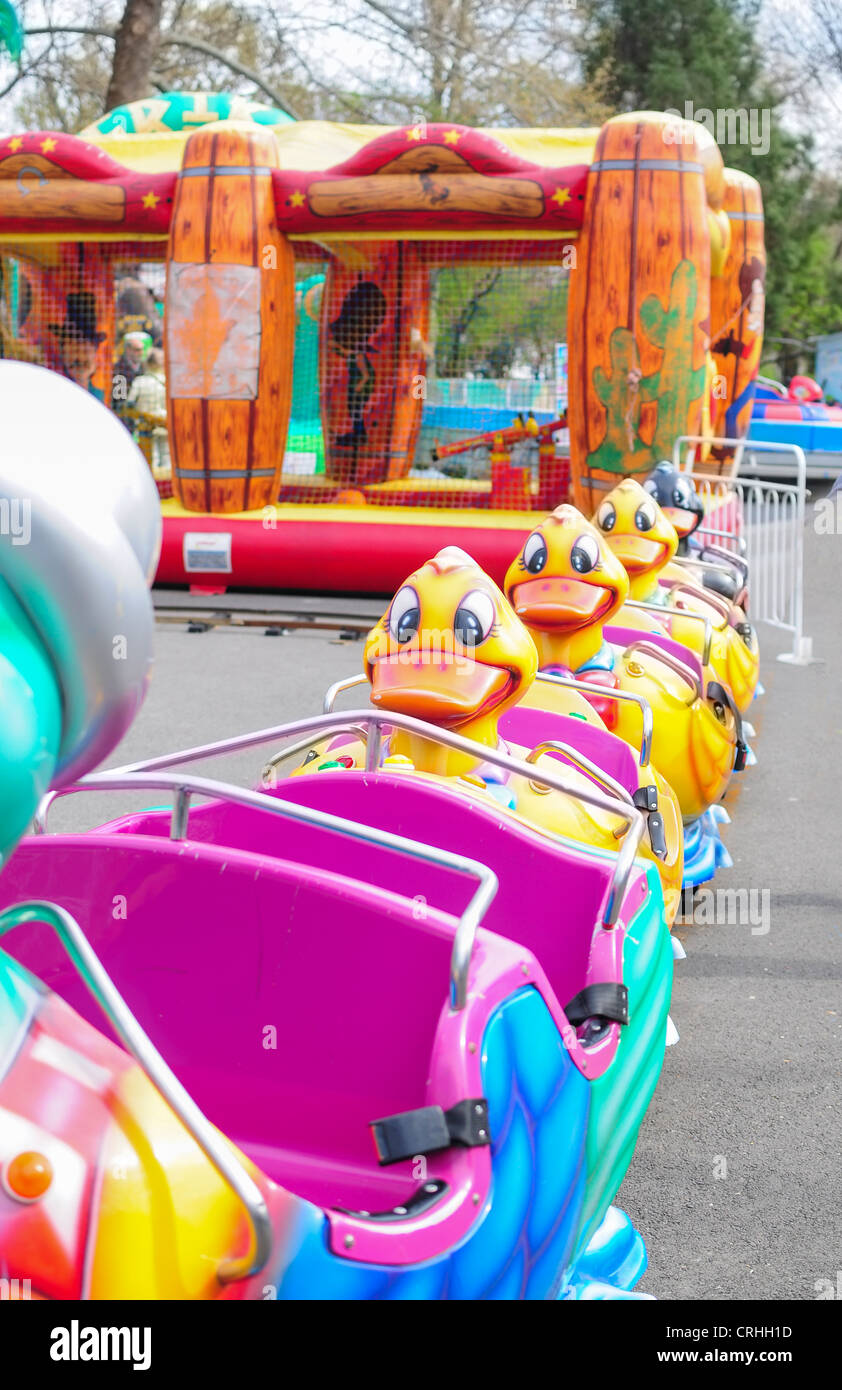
374	331
640	299
229	325
736	315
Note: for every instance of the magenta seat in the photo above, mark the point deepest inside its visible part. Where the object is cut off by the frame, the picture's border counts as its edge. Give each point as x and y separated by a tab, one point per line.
550	892
529	727
216	948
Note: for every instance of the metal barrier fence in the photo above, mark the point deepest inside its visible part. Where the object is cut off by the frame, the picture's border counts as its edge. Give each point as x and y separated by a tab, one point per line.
763	521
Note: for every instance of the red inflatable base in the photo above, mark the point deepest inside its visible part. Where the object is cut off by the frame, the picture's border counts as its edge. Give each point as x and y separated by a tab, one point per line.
330	549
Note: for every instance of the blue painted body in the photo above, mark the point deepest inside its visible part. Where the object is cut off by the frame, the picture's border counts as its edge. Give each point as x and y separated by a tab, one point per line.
704	851
523	1242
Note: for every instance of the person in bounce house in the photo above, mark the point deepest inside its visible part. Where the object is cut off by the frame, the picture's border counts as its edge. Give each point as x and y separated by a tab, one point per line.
79	340
128	366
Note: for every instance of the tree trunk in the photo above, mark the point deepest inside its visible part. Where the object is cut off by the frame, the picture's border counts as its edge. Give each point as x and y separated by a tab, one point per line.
135	49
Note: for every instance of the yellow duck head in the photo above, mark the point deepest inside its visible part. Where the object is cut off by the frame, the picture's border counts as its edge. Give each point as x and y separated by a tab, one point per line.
639	534
565	583
449	649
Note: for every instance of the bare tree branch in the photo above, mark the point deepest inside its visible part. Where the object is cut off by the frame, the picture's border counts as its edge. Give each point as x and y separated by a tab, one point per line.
177	41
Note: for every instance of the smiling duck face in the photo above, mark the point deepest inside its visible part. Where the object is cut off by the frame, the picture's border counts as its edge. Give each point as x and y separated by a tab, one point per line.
449	650
639	534
564	585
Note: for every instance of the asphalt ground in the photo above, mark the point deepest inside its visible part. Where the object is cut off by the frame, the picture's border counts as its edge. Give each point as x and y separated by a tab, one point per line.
735	1184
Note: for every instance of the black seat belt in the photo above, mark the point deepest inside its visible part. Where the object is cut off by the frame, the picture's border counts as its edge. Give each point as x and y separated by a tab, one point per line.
431	1129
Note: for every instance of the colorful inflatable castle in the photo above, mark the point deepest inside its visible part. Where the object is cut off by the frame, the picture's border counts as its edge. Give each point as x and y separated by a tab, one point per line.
371	342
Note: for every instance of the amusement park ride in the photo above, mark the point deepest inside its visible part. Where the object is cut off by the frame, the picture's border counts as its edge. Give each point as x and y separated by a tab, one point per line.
556	704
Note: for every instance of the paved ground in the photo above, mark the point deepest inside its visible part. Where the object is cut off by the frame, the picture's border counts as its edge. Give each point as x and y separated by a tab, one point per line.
752	1090
735	1184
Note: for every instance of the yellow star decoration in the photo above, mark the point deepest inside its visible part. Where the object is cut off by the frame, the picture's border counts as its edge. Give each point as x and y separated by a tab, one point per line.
150	199
452	137
297	199
561	196
14	145
47	145
415	133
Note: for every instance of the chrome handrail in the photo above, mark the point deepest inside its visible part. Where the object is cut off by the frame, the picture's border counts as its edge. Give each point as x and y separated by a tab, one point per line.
738	561
582	764
661	608
377	721
606	693
348	683
184	788
722	606
300	746
569	682
692	563
138	1044
667	658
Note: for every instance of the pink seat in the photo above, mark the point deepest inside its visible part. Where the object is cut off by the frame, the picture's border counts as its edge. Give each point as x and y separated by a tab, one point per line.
529	727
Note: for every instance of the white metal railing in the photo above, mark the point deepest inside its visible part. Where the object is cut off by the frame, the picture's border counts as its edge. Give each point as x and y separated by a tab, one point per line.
767	528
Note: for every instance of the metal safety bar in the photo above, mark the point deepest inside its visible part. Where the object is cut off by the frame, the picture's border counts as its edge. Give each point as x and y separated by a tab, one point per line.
667	658
348	683
582	764
569	682
661	609
136	1042
725	561
184	789
619	697
738	562
375	722
716	601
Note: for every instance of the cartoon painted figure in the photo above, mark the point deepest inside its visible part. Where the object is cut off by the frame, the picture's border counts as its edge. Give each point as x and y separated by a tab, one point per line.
359	319
80	338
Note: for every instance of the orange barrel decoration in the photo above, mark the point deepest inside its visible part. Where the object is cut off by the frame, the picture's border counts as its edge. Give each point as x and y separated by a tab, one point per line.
640	298
736	316
373	360
229	325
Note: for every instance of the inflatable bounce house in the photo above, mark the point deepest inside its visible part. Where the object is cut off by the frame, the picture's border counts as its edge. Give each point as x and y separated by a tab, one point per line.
344	347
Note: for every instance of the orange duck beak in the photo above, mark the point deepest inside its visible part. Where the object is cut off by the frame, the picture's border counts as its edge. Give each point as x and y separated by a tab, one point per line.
552	602
444	689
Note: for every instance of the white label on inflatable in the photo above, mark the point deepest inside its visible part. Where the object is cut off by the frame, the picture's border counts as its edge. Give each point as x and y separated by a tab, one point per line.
207	551
299	461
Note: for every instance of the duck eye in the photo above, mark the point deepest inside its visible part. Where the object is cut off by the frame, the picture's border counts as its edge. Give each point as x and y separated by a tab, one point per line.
651	487
474	618
585	555
405	614
535	553
680	495
644	517
606	517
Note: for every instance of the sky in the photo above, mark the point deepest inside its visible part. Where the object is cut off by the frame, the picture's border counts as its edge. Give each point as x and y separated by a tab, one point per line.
786	28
